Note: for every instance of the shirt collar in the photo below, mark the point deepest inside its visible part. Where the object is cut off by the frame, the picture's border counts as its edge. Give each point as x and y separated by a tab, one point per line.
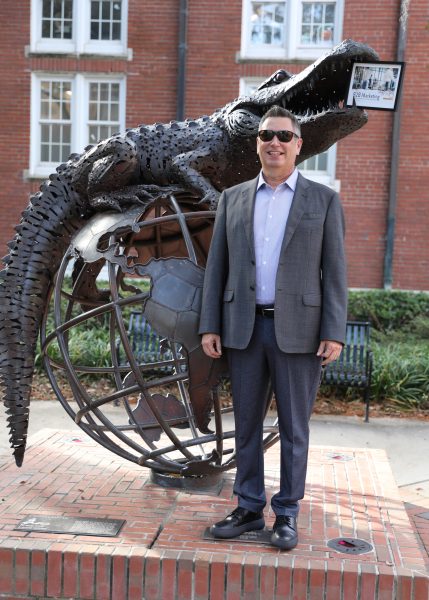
290	181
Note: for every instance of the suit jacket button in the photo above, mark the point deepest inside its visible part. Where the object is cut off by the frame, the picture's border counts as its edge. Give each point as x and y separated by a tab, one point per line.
253	262
252	287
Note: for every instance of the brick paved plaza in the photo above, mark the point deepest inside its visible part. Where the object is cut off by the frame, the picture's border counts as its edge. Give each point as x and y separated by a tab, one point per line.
160	552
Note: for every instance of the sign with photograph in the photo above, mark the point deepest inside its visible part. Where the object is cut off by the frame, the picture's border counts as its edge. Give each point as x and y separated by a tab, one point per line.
375	85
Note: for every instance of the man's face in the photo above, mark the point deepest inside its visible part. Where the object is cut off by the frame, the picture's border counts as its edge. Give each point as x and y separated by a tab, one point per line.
276	155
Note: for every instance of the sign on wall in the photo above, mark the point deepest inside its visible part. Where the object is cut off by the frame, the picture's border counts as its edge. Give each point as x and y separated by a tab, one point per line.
375	85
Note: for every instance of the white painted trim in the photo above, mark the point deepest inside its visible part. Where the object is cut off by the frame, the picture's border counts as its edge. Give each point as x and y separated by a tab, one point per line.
78	112
293	49
80	42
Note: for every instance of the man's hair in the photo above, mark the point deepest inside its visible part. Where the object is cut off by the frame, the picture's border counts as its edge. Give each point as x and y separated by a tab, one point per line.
279	111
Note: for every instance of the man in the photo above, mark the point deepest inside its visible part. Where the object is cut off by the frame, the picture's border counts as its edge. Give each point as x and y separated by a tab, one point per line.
275	295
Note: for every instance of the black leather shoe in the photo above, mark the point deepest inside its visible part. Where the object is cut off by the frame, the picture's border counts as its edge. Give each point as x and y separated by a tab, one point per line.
238	522
285	533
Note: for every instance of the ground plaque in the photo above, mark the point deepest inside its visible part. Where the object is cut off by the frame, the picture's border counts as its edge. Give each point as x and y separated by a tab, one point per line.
262	536
71	525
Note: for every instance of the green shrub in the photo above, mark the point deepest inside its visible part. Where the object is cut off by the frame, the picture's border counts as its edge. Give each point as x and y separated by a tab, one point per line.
401	373
388	310
87	347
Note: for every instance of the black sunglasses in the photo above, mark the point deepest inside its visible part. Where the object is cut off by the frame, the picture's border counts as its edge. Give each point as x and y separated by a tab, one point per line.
283	135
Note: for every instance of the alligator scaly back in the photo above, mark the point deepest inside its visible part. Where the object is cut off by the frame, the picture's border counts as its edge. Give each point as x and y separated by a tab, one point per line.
42	237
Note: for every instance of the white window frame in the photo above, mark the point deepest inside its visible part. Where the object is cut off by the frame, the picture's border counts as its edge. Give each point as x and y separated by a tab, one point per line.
293	48
81	42
79	111
327	178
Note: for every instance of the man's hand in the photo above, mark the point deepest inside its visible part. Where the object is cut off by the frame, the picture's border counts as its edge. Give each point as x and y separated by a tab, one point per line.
212	345
329	350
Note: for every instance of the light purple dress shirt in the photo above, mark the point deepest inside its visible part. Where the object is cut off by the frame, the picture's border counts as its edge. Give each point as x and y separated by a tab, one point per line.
272	208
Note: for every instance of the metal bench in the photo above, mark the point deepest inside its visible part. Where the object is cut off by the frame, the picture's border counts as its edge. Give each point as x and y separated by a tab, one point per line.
144	341
354	366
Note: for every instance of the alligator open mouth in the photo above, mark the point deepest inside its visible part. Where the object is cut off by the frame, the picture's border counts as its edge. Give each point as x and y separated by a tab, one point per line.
316	96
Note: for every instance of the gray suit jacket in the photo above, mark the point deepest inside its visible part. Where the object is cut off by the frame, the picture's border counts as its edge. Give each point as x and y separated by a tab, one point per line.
311	283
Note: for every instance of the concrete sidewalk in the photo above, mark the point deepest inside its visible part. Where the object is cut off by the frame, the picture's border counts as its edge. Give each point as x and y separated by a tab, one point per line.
406	441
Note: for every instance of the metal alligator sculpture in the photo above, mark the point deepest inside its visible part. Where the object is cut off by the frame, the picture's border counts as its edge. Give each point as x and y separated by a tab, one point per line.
203	156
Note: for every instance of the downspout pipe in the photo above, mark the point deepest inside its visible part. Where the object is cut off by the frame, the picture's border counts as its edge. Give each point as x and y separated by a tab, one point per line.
181	71
394	166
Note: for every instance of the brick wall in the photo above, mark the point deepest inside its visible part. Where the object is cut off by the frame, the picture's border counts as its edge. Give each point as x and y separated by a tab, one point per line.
212	79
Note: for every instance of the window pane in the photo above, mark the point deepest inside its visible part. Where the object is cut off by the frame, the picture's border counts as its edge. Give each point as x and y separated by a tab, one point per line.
68	9
44	134
105	31
56	30
44	153
316	163
116	31
55	153
103	110
105	10
306	13
104	91
57	17
268	23
58	6
330	13
65	112
328	34
306	35
322	162
55	128
95	10
317	27
114	92
114	112
56	134
95	31
46	29
317	13
93	111
105	19
66	139
46	8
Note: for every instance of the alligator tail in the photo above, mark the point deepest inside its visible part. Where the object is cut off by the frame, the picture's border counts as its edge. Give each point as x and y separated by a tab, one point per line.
43	235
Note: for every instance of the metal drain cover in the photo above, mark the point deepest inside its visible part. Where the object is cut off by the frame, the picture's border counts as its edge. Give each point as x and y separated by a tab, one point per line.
350	545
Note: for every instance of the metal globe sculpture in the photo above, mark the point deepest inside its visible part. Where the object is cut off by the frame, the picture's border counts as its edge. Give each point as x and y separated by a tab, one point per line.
158	405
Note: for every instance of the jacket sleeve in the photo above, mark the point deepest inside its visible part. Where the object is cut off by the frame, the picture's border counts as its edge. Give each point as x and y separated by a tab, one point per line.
215	274
334	275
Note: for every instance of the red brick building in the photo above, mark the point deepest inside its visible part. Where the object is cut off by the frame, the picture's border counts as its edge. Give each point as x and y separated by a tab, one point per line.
74	71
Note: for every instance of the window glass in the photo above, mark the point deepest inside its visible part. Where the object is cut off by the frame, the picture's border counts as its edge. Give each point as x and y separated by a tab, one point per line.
57	19
318	21
106	19
319	162
103	110
55	125
268	23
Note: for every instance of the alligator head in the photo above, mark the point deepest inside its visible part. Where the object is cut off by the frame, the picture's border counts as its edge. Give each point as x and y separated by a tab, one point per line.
316	96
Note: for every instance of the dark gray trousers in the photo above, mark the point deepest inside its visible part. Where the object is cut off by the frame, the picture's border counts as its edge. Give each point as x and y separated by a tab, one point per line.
295	379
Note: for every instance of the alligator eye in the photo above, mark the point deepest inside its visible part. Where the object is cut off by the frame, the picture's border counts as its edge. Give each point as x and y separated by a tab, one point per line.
280	76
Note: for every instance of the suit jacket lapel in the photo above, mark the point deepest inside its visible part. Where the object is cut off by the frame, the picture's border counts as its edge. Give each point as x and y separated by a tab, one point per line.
248	199
296	211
